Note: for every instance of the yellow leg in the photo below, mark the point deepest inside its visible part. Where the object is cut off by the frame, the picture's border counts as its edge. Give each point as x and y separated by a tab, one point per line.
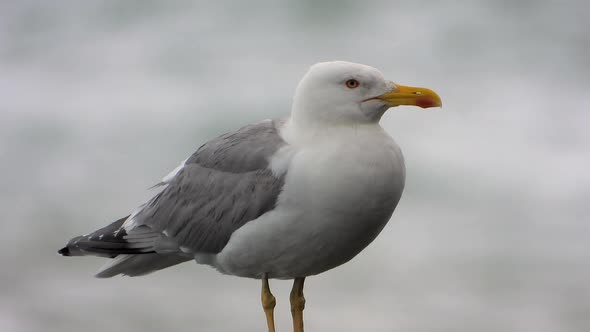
268	304
297	304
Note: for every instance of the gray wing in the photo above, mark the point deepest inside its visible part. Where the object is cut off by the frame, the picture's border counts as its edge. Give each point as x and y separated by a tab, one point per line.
221	187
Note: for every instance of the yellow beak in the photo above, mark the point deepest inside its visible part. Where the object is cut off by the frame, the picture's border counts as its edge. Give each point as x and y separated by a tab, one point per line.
408	95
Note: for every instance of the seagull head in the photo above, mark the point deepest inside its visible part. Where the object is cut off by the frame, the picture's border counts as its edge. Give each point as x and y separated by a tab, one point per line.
341	92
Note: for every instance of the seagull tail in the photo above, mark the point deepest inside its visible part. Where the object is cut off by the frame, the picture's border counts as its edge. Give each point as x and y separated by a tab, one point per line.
133	254
138	265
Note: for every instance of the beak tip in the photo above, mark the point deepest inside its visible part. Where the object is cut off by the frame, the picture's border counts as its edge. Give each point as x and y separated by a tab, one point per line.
428	102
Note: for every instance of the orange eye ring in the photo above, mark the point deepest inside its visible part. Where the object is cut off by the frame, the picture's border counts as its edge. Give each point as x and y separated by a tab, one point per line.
352	84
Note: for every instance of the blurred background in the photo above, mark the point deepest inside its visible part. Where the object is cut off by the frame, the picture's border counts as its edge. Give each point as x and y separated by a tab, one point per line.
100	99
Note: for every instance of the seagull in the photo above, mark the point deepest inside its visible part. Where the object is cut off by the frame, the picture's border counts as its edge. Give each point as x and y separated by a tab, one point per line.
280	199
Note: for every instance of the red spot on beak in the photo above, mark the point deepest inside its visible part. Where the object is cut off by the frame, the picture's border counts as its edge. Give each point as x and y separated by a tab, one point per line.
426	102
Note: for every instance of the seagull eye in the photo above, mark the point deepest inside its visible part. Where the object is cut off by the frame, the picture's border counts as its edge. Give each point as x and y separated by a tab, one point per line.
352	84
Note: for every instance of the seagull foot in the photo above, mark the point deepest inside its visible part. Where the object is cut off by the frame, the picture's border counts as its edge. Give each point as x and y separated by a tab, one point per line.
297	304
268	304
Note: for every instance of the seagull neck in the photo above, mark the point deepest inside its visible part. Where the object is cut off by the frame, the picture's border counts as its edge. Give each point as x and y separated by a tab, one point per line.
303	132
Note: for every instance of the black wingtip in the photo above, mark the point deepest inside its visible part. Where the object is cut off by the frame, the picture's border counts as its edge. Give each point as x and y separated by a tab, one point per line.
65	251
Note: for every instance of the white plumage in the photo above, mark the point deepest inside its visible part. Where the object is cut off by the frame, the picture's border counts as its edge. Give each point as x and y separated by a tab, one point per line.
338	195
279	199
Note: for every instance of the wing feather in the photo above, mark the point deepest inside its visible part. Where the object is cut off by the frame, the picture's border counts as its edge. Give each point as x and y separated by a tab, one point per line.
218	189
